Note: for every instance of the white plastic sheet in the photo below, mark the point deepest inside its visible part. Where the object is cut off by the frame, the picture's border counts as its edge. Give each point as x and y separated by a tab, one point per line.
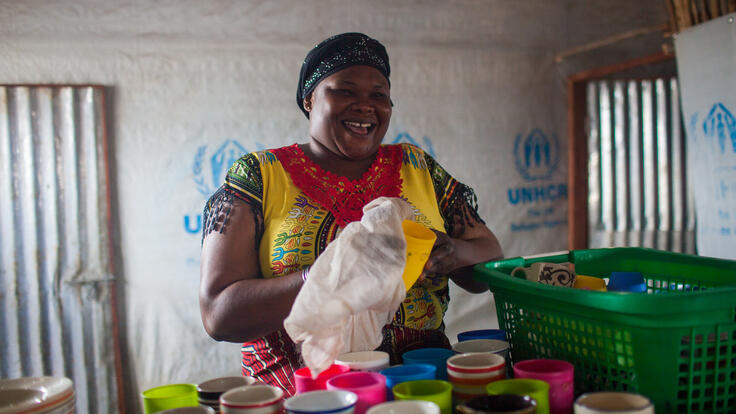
194	84
705	60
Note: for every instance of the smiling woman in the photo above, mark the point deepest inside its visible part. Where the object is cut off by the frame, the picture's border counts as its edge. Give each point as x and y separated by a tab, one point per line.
279	209
349	113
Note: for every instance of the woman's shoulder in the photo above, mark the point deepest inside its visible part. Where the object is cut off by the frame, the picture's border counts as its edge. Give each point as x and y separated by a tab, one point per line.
412	155
255	159
405	147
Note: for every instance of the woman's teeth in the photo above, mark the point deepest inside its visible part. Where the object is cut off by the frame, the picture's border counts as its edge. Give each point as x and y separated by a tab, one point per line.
358	124
360	128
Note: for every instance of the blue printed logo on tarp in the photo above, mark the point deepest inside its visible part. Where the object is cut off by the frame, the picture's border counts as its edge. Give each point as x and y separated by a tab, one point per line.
536	155
210	173
405	137
720	124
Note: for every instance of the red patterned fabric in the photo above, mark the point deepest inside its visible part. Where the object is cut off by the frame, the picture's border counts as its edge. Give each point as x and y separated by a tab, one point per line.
344	198
272	359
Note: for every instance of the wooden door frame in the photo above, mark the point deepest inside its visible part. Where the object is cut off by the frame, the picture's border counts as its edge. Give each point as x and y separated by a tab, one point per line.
577	143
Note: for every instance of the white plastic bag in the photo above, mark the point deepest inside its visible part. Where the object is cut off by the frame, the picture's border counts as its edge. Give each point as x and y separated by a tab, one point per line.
354	287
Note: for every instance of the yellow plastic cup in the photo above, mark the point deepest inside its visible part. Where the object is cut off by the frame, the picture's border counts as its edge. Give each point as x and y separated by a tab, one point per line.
170	396
419	243
589	283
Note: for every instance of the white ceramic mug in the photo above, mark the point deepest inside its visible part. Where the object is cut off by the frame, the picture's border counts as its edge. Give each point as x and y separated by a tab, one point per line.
252	399
189	410
613	403
494	346
332	401
373	361
470	373
405	407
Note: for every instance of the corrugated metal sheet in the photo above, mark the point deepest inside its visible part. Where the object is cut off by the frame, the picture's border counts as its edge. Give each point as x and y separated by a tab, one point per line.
55	287
638	189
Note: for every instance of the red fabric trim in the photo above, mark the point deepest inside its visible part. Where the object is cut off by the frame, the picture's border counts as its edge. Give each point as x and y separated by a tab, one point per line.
344	198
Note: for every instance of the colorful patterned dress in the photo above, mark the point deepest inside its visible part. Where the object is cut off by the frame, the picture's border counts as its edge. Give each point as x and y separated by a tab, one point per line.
300	209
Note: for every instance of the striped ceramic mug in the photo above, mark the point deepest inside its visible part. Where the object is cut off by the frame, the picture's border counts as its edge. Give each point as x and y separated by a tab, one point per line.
469	374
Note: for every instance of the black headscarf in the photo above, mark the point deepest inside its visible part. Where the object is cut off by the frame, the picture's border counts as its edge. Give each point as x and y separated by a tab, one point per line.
336	53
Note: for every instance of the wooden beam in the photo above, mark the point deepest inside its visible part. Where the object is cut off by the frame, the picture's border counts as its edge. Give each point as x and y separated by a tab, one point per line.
611	39
673	20
577	170
620	67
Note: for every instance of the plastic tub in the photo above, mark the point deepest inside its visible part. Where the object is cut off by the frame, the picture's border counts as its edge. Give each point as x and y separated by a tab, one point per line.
673	343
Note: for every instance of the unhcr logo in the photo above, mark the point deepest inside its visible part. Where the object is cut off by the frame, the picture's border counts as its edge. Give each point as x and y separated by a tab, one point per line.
536	155
209	171
720	125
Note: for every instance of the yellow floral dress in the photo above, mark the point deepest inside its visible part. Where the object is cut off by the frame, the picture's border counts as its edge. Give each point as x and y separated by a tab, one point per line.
300	209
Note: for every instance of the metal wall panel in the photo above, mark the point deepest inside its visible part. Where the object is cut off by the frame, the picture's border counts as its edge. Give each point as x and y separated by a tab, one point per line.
55	286
639	194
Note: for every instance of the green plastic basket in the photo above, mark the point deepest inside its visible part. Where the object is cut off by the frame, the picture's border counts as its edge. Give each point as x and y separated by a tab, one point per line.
676	344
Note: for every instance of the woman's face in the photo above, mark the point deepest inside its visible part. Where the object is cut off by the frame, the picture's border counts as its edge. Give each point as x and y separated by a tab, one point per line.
349	112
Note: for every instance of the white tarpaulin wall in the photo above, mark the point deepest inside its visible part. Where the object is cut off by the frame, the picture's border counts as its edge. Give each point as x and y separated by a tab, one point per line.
705	61
193	84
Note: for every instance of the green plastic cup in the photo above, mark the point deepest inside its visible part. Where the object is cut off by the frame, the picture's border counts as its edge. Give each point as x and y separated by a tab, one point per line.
169	396
436	391
536	389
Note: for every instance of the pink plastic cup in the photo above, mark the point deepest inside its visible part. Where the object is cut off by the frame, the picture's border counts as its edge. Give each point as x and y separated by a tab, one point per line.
304	381
560	376
369	386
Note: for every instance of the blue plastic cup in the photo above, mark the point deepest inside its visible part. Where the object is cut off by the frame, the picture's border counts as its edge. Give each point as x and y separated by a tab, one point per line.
626	282
402	373
432	356
482	334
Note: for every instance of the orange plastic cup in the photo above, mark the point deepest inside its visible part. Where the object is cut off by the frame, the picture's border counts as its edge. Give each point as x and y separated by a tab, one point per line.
419	243
589	283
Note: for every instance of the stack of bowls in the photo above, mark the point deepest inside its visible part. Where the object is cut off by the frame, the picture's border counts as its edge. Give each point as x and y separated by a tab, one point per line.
209	392
40	395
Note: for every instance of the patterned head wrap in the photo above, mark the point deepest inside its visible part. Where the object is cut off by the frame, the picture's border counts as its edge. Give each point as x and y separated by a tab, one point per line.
337	53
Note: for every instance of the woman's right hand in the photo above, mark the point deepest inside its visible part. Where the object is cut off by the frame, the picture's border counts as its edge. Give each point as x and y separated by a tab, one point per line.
236	303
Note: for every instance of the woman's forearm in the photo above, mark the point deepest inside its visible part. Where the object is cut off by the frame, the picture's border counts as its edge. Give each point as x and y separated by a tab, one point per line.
469	253
249	308
236	303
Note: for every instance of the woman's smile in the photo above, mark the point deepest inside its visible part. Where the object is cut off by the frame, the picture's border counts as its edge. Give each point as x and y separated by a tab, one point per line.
349	112
358	127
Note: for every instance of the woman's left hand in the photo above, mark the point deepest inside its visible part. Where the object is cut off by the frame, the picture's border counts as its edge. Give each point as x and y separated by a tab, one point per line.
455	256
443	258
